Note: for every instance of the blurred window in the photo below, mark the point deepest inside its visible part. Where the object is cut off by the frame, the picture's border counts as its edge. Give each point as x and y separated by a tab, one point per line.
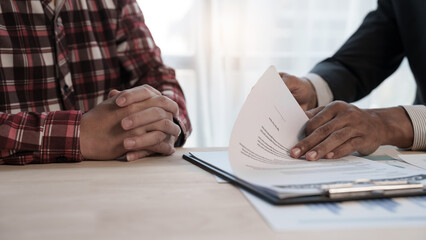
221	47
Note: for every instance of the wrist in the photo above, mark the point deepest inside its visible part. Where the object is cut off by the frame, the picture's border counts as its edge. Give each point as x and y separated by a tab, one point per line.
395	126
83	138
313	100
314	97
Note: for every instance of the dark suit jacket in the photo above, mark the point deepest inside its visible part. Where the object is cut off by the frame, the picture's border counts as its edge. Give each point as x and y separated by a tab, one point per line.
397	29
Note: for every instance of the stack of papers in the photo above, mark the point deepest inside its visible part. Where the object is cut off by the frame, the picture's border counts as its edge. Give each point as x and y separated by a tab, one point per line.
268	125
380	213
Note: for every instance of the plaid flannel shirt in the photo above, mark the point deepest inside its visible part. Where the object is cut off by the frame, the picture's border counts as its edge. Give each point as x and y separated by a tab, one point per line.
55	67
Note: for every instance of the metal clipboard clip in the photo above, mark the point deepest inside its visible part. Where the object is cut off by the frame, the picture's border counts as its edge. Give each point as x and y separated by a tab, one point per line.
367	187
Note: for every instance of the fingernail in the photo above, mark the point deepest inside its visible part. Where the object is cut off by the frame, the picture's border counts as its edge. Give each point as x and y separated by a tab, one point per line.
121	101
330	155
127	123
296	152
129	143
130	157
312	155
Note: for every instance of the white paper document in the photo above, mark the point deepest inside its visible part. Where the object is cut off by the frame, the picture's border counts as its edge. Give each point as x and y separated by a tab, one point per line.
380	213
268	125
418	160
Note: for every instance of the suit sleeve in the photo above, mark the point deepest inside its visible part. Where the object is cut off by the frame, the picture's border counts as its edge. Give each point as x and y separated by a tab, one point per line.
367	58
141	60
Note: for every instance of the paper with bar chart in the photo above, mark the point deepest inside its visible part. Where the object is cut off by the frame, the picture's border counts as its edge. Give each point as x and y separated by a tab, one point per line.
383	213
268	125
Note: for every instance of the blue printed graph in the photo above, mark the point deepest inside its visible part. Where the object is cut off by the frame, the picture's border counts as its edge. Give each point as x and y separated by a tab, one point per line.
331	207
387	204
419	201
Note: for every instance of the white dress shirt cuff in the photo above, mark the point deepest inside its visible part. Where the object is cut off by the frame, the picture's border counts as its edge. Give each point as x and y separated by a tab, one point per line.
324	94
417	114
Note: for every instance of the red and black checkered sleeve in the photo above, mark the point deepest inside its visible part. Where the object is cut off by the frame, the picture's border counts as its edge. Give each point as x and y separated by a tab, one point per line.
141	59
30	137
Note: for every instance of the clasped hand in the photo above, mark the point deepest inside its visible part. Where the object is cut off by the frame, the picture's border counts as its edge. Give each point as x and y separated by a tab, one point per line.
136	122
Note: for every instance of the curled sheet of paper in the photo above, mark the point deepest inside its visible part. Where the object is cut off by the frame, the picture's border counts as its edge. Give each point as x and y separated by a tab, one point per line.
268	125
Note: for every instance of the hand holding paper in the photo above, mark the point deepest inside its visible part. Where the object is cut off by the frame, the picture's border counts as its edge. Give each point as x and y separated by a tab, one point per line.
340	128
269	124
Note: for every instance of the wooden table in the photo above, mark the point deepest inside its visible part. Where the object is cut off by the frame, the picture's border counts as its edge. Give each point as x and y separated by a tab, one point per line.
152	198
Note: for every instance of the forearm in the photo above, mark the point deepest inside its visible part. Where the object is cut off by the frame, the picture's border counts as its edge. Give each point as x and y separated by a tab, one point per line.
395	125
30	137
141	59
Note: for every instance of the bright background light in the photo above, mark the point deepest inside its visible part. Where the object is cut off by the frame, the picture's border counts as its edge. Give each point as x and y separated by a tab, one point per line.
221	47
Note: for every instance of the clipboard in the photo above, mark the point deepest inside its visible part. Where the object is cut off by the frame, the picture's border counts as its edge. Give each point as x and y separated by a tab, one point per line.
361	189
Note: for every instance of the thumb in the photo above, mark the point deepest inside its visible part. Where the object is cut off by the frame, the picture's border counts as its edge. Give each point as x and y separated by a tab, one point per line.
113	92
290	80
